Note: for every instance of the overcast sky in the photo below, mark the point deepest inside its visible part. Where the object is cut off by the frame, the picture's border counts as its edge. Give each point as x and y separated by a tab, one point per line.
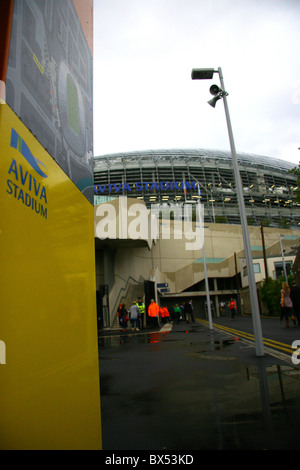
144	98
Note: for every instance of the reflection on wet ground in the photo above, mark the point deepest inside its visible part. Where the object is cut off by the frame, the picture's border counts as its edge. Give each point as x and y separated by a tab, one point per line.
156	337
191	389
129	338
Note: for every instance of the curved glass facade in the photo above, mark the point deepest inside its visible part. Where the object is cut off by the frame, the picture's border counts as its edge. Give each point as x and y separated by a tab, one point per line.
187	175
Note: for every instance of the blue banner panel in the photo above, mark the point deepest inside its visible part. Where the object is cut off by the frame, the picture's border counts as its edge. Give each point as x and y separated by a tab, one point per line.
49	84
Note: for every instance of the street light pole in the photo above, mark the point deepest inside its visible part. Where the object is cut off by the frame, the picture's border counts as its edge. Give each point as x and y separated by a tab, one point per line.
283	260
207	288
198	74
204	263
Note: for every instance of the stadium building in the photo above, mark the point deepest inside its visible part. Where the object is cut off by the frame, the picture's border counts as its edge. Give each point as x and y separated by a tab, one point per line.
178	176
164	268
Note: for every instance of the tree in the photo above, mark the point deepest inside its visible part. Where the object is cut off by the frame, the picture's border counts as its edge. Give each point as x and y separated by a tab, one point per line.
270	294
296	172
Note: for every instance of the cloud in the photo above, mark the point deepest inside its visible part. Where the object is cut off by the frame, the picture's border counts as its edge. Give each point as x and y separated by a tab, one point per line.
143	93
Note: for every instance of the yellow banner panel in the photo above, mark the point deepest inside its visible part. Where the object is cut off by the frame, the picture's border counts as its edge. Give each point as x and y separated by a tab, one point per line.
49	372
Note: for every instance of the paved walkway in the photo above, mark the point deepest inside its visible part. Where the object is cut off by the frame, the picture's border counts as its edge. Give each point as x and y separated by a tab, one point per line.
187	388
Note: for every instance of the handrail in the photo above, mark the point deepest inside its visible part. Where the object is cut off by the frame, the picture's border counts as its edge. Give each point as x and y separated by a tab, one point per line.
121	292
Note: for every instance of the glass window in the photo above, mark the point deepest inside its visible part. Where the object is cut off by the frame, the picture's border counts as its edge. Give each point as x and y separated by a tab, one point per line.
256	267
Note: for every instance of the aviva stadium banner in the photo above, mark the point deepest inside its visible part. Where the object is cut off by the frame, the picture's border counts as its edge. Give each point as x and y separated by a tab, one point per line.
49	367
49	81
49	374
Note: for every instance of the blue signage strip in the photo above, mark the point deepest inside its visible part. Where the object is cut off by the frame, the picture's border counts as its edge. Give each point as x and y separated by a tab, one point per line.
163	284
147	186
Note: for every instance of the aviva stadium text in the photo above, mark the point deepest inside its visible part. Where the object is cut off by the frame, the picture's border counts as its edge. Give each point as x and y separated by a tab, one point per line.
147	186
26	189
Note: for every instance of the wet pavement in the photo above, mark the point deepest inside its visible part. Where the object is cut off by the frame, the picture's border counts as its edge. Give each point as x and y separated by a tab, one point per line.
192	389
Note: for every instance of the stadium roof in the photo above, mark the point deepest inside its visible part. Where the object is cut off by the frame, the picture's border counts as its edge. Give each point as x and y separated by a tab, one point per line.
193	155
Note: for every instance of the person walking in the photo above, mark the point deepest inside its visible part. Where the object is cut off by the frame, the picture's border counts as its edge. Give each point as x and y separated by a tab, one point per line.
177	313
134	314
188	311
295	298
119	313
123	316
164	314
171	312
286	303
141	307
222	308
232	308
182	306
192	311
153	312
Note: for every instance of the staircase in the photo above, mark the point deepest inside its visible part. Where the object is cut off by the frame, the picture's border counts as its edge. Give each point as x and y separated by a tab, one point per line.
132	291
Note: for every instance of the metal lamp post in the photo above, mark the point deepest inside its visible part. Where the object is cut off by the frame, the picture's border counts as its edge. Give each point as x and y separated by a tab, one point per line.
282	256
205	267
200	74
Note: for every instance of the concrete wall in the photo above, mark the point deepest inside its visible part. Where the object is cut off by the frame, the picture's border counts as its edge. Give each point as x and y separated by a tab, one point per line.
169	261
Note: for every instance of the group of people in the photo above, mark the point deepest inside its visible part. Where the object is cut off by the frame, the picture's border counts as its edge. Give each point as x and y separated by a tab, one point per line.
232	307
290	309
170	314
290	303
136	314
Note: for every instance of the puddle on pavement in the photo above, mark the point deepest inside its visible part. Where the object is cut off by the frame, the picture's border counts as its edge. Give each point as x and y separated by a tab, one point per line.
271	420
232	406
147	337
134	338
159	337
259	410
216	345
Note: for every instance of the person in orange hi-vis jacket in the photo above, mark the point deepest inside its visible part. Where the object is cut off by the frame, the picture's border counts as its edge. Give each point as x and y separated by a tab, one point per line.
153	312
164	314
232	308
